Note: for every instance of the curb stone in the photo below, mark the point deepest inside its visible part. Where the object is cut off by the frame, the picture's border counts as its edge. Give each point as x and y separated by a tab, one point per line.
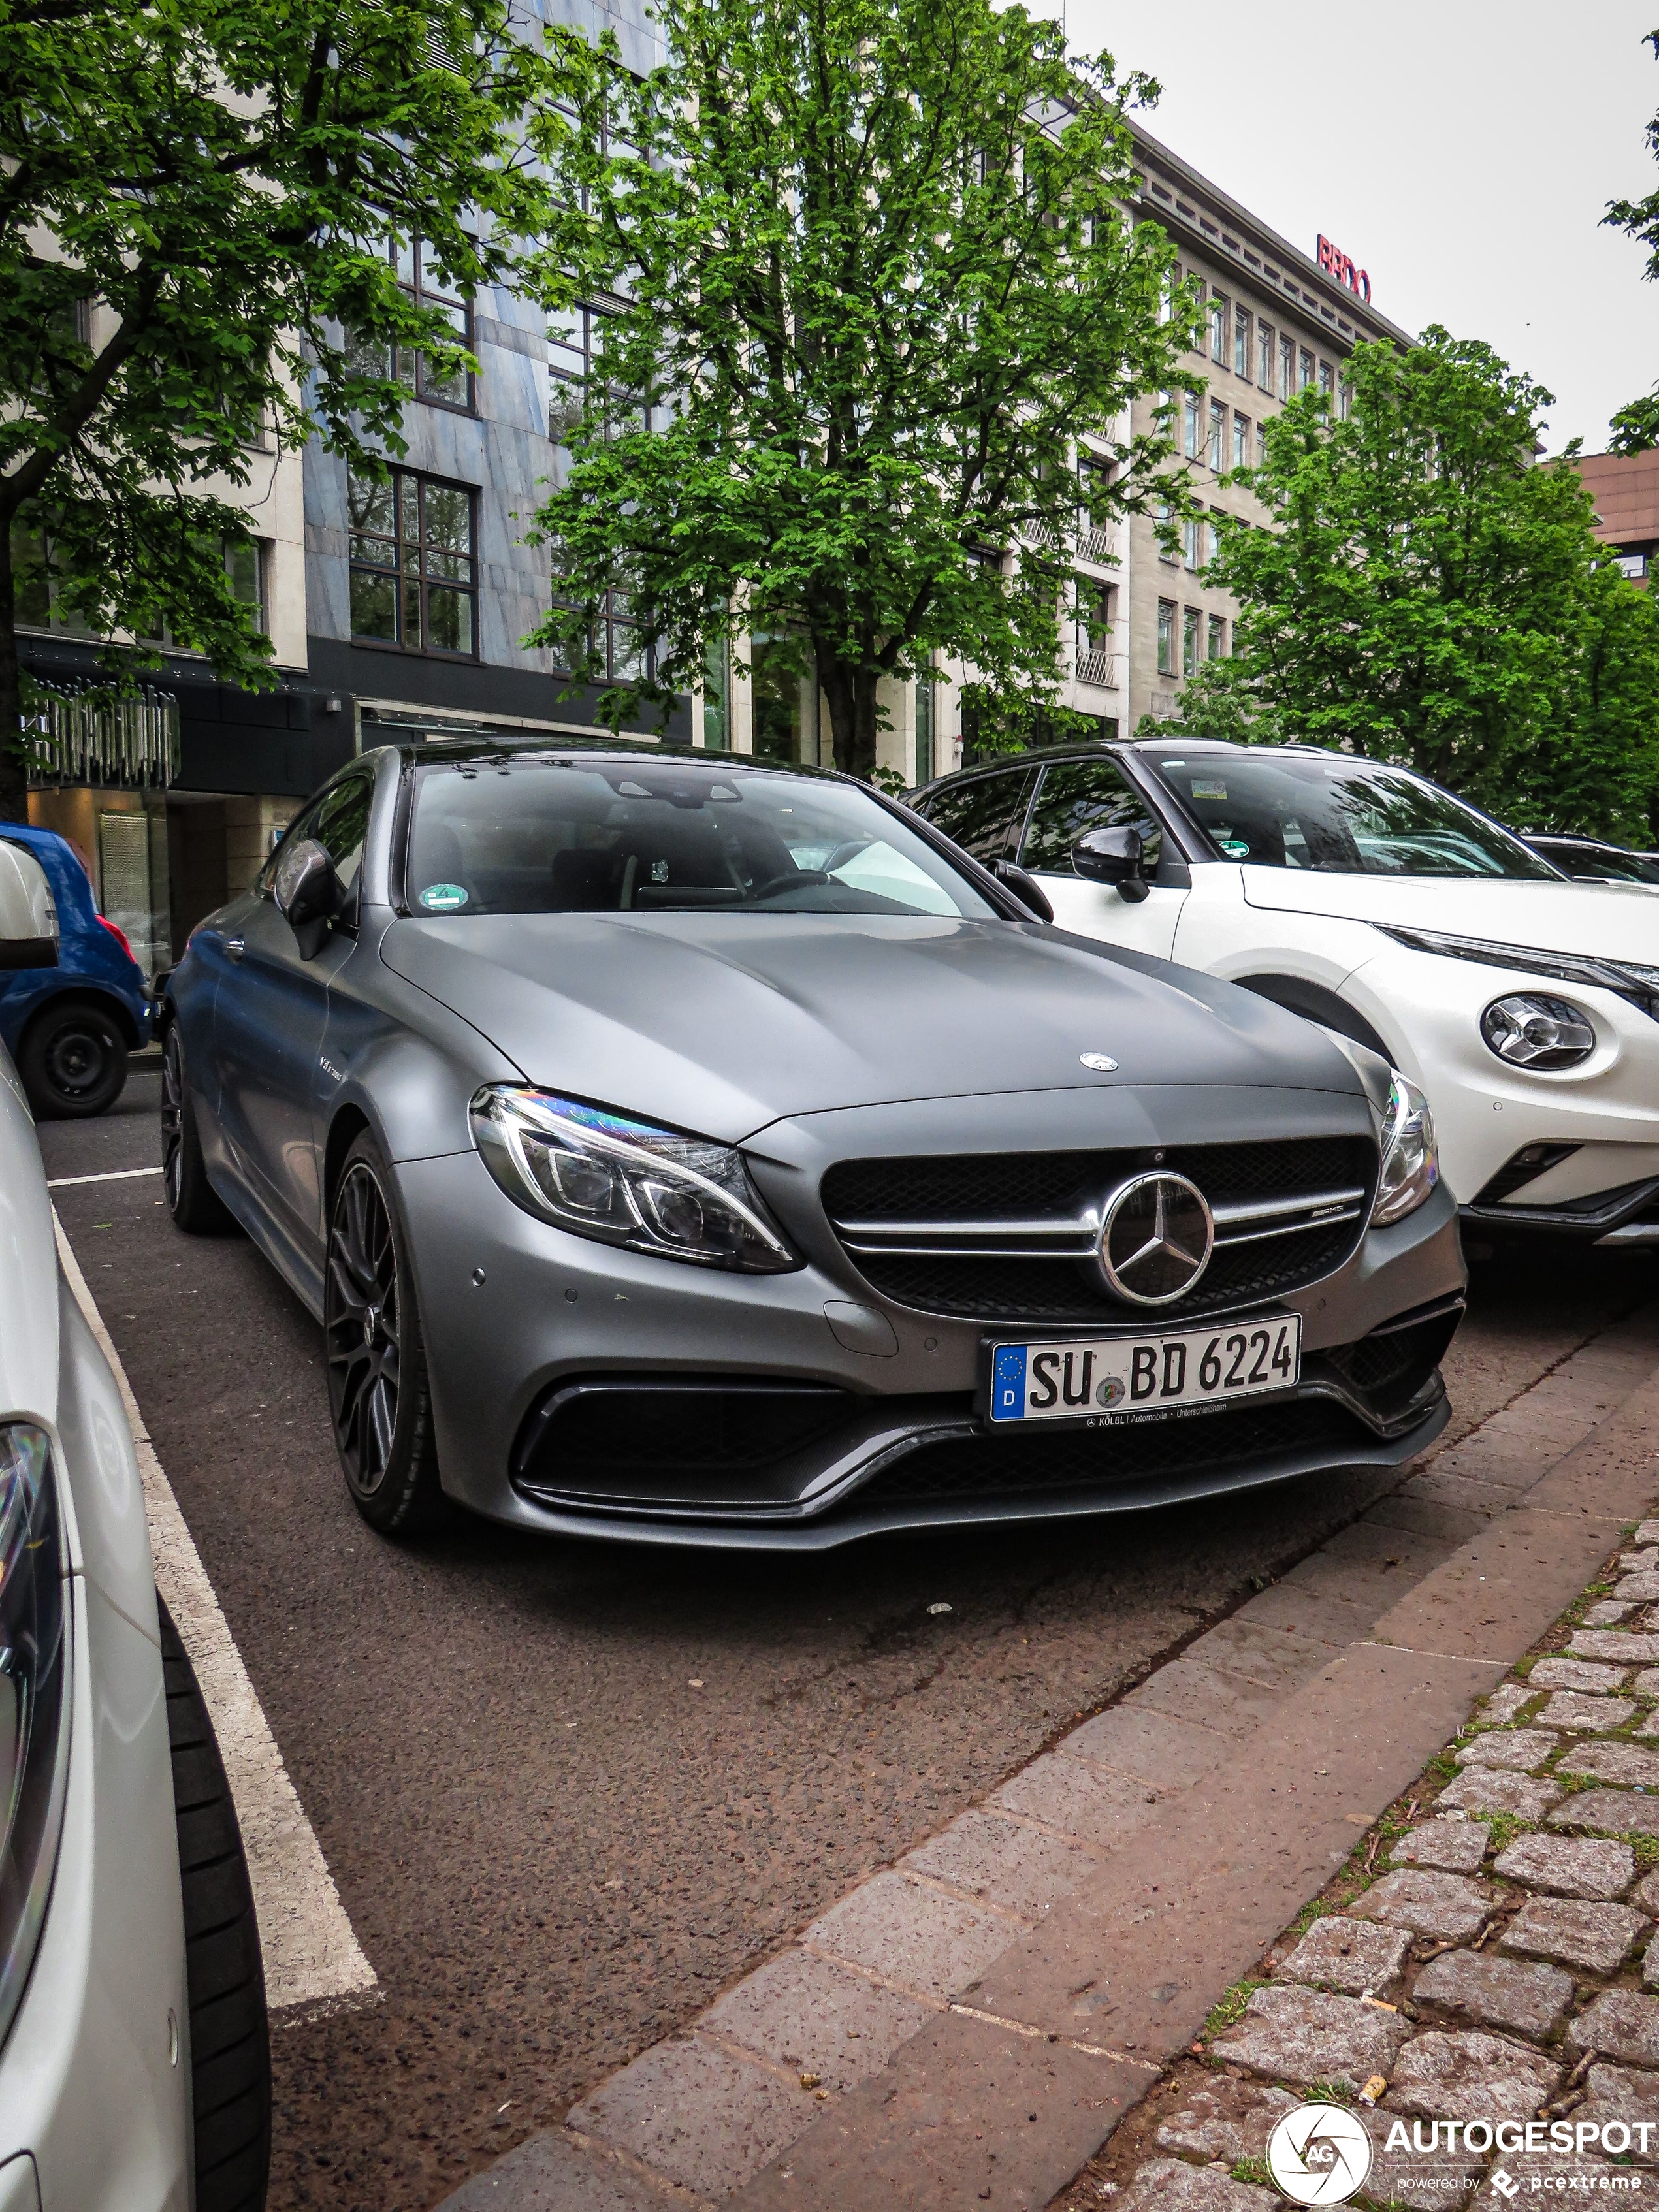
1540	2014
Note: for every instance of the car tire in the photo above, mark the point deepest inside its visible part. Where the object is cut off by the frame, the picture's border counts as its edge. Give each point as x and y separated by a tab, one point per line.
379	1398
195	1206
73	1060
230	2031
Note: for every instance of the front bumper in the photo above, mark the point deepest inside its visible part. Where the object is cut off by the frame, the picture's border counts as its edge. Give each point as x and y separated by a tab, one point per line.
523	1323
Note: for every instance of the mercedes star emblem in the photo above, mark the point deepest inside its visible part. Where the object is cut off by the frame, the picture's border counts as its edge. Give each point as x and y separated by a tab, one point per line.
1156	1234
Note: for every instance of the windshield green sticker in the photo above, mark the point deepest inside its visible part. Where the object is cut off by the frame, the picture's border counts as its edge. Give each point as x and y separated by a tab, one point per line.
1209	788
1235	849
443	898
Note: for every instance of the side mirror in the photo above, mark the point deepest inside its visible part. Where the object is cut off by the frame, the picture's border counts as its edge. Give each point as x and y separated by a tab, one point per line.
1112	856
1025	888
306	892
28	919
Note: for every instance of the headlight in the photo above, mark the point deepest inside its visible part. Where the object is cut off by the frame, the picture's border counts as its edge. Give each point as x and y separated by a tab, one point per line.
626	1182
34	1705
1410	1166
1528	1030
1632	979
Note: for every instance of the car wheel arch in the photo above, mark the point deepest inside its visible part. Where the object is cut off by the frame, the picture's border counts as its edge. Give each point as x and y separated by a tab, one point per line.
84	994
1317	1003
349	1124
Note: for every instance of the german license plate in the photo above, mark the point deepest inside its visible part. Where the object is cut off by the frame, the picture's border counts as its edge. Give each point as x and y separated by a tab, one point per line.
1114	1378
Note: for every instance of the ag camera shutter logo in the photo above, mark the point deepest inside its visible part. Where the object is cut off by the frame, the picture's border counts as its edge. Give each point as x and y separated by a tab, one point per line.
1319	2154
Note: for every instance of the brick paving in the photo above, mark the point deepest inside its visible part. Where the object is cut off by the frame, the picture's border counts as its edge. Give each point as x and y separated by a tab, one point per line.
1489	1952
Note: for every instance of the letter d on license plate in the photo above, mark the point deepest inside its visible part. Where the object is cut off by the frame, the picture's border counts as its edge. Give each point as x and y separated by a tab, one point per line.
1089	1377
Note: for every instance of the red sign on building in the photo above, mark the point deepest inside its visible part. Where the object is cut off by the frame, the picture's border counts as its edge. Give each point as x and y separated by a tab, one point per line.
1333	259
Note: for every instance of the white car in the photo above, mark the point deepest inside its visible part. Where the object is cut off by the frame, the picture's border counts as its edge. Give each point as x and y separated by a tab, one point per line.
134	2056
1525	1006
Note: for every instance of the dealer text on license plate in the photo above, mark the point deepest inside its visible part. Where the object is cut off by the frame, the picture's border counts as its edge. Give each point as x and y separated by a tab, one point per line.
1121	1376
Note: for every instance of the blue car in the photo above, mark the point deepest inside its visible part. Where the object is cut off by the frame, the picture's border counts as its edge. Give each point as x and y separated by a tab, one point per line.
70	1026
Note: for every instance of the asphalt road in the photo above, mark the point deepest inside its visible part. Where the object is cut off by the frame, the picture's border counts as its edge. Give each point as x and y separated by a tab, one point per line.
568	1793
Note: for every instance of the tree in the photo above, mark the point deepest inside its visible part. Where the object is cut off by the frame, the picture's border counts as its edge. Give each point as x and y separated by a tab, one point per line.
197	199
1635	428
1427	593
866	268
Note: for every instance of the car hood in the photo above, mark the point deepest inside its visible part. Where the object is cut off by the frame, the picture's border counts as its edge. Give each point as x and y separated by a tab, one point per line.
1610	921
723	1024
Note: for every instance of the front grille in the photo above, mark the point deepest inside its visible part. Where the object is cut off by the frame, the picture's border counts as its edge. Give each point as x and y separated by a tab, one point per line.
1071	1459
612	1434
1023	1226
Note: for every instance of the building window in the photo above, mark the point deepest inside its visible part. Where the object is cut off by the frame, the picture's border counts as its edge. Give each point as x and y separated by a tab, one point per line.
1241	345
1326	379
1166	637
1094	617
1264	356
1217	637
1189	423
1166	297
576	380
1192	533
717	696
1241	442
1219	327
413	575
1286	368
1305	363
39	601
927	705
1345	400
1189	642
1261	445
1217	454
1162	513
417	276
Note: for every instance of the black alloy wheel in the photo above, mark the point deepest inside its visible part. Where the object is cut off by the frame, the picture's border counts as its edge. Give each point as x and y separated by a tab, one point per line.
73	1060
377	1382
194	1204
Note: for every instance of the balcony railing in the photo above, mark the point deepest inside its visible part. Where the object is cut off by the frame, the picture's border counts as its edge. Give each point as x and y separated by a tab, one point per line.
1086	541
126	743
1094	666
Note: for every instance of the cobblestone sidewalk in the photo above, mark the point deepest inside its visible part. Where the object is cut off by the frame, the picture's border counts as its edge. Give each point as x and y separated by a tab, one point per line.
1486	1954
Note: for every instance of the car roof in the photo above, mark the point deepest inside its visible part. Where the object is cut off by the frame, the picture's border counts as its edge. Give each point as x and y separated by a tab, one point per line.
456	752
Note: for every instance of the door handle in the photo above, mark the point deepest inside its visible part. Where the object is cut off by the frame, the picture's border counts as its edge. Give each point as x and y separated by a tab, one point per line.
234	947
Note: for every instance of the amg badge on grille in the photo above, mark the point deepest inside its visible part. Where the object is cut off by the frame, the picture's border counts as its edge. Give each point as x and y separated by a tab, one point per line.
1155	1238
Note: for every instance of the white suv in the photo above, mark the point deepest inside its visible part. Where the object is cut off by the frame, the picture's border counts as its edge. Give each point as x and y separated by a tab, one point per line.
134	2055
1525	1006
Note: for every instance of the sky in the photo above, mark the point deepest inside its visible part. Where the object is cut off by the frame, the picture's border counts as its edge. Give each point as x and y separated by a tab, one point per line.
1463	151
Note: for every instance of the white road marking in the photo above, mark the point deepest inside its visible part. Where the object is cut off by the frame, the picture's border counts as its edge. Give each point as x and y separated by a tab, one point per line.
115	1175
312	1958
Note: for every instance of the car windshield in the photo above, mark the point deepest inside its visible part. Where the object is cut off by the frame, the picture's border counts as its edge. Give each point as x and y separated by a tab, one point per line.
1343	816
541	836
1603	863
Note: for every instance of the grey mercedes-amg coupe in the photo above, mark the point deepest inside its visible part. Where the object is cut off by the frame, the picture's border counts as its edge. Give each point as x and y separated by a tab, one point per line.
677	1146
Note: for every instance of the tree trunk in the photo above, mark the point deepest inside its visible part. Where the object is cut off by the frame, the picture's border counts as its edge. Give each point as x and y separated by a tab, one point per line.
849	692
14	775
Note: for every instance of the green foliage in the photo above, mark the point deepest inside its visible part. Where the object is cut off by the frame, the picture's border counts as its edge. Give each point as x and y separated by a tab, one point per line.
867	269
1635	428
1427	593
195	201
1230	2005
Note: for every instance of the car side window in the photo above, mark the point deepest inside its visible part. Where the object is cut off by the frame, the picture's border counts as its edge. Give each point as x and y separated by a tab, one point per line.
1080	795
342	824
984	813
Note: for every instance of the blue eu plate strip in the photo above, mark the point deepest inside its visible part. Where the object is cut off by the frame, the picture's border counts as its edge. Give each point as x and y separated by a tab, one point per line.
1008	1383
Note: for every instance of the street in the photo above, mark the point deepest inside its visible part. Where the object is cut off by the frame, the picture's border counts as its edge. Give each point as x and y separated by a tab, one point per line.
568	1793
